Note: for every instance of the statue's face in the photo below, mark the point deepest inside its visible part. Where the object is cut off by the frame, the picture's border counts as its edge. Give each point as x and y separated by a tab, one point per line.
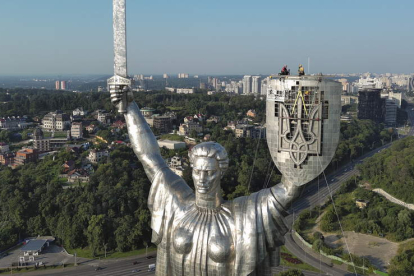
206	174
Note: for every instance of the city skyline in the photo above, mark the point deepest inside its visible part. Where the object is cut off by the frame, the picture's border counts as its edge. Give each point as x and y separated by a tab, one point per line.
58	38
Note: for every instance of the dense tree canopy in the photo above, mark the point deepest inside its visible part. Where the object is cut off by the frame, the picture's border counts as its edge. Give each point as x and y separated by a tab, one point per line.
381	217
291	272
403	263
393	170
359	136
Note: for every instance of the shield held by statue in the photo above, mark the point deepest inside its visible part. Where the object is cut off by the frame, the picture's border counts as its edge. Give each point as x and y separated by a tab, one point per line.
302	121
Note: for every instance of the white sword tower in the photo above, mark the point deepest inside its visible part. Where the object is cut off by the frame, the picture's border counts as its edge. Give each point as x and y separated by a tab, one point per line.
120	81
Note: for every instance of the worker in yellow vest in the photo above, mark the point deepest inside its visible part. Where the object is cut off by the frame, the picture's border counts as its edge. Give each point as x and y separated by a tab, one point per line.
301	71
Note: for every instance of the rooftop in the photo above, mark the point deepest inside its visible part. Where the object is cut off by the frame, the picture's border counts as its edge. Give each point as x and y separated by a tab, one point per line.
33	245
170	142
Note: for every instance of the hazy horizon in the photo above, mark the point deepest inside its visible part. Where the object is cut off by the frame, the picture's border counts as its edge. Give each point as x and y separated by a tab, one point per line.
216	38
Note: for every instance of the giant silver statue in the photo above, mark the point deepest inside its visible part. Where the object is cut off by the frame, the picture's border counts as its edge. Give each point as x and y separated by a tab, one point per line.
197	232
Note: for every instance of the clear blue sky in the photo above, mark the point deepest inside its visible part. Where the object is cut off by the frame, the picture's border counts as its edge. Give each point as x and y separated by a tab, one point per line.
208	37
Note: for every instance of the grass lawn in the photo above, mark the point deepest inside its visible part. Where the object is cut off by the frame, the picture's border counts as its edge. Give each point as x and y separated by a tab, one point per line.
308	229
74	184
58	134
175	108
405	246
87	253
337	262
63	180
172	137
302	266
131	253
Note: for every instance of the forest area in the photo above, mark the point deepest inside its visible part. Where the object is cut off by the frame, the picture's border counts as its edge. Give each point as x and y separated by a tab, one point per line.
393	170
111	210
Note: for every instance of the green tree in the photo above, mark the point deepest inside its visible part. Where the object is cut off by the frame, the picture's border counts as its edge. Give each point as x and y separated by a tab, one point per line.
122	234
96	233
292	272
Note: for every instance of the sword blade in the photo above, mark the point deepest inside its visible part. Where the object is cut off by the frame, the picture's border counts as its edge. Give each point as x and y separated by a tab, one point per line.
119	26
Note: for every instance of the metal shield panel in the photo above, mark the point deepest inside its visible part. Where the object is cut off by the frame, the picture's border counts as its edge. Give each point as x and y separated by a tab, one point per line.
302	121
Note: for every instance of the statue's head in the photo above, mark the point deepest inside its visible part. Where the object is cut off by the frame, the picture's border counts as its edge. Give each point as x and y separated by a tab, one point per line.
209	162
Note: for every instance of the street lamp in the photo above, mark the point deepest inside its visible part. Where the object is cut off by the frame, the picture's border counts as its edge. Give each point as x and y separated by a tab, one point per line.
105	249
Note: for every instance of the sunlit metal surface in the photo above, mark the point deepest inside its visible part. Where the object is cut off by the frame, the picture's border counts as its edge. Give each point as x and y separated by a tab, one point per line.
119	29
120	82
302	124
197	232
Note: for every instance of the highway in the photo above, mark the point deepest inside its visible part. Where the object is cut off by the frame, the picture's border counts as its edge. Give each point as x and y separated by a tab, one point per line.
110	267
311	197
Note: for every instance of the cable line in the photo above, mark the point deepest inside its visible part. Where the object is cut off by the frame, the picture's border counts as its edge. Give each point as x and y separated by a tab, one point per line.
337	216
254	160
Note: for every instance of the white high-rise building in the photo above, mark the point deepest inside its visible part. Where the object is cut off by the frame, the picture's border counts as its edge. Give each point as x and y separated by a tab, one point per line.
263	84
138	77
63	85
247	84
76	130
56	121
256	87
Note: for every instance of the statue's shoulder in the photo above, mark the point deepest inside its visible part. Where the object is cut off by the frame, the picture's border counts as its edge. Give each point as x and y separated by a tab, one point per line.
165	174
171	181
250	199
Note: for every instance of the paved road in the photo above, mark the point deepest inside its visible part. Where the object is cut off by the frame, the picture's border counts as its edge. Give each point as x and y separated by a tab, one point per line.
311	198
125	267
279	269
410	119
108	268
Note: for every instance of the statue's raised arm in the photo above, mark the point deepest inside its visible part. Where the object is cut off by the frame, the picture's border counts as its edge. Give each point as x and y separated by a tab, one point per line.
142	139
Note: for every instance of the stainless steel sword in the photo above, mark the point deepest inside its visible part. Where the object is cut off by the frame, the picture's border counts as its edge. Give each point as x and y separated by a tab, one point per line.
120	82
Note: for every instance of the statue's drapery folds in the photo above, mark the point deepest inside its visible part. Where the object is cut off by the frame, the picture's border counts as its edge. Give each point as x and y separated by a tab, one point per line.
241	237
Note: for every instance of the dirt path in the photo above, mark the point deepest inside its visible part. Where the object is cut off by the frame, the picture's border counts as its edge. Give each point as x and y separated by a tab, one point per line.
378	250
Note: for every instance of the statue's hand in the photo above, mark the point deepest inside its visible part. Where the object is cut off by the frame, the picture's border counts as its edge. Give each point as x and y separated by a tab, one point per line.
286	191
292	190
121	97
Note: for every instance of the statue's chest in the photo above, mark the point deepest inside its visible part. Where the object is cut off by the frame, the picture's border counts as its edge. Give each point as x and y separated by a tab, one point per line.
205	234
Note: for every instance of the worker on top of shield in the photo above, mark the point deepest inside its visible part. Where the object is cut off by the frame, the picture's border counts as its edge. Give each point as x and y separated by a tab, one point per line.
285	71
301	71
